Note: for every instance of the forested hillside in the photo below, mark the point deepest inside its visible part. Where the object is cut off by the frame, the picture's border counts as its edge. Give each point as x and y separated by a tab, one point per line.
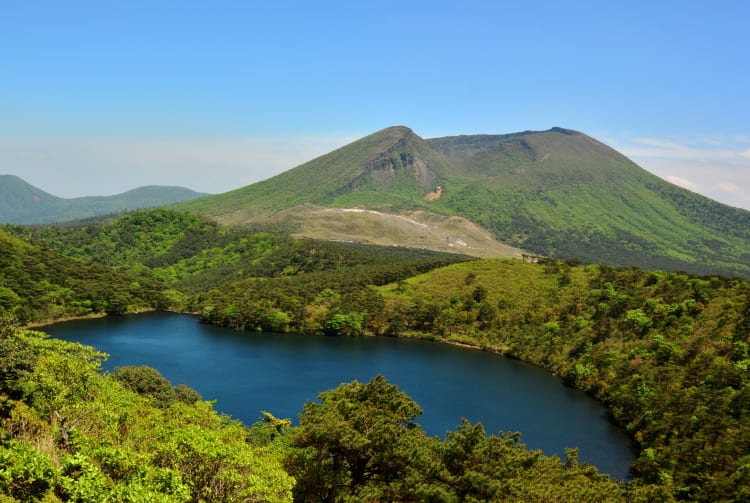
38	284
667	352
73	434
198	259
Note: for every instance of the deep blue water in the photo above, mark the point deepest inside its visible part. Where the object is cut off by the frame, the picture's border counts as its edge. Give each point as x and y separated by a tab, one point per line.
248	372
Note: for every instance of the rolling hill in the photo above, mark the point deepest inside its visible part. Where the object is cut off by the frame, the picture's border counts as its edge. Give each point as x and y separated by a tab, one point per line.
38	284
556	193
22	203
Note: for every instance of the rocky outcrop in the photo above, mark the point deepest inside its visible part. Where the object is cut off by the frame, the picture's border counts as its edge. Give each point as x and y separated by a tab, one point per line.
435	194
382	168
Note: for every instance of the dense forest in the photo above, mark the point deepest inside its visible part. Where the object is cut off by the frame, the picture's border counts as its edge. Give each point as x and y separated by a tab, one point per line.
38	284
667	352
74	434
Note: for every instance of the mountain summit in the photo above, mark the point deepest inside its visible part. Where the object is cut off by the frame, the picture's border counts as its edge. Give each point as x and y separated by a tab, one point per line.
390	168
556	193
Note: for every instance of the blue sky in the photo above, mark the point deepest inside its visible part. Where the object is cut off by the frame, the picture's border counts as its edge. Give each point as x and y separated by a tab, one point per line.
98	97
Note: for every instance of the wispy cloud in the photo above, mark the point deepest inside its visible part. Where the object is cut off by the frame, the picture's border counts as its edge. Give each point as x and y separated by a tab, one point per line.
658	143
707	150
686	184
729	188
716	166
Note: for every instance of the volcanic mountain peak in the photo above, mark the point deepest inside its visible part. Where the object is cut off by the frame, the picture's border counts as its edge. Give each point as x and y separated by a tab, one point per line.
557	193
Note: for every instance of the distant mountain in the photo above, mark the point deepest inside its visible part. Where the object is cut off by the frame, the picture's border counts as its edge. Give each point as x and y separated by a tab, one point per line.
557	193
22	203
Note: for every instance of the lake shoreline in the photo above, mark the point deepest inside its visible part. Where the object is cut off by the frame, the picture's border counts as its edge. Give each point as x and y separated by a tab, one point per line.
35	325
449	385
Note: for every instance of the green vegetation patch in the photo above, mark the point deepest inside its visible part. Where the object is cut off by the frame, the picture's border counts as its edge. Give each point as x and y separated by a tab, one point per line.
71	433
665	351
38	284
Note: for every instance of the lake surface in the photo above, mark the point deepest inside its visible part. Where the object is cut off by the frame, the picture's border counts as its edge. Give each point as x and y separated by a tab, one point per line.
246	372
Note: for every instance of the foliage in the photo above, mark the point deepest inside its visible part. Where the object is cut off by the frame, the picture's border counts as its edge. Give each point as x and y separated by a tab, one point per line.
73	434
38	284
666	352
127	242
148	382
360	442
359	438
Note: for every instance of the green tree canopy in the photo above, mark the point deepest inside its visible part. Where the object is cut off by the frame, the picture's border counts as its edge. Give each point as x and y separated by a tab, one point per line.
358	440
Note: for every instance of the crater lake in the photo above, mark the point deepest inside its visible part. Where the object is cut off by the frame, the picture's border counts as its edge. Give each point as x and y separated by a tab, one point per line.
248	372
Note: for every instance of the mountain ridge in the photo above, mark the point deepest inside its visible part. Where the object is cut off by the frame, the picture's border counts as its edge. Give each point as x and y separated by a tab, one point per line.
23	203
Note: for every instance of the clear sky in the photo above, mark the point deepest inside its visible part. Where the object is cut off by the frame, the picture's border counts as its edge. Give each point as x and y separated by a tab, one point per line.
98	97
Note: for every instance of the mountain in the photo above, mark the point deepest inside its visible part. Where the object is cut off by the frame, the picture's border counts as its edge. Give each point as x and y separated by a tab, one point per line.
562	193
388	173
386	170
556	193
22	203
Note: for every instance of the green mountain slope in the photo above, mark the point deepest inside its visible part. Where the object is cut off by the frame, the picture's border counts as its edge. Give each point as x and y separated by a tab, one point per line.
556	193
389	173
38	284
392	169
22	203
564	194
